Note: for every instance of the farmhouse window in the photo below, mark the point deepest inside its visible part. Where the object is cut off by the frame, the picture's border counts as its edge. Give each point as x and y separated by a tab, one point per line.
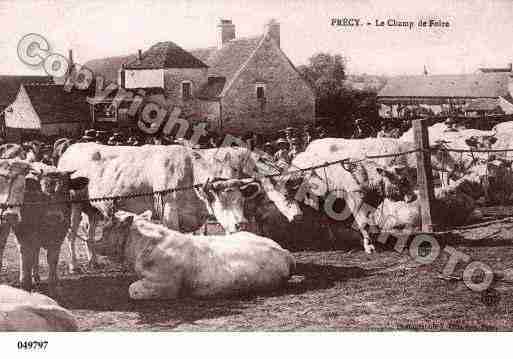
260	92
186	89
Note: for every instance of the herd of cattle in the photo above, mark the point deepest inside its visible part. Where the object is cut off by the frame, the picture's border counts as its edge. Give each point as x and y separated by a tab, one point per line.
232	185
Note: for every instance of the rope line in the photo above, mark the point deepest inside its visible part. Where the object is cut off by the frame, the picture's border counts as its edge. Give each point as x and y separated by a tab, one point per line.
196	186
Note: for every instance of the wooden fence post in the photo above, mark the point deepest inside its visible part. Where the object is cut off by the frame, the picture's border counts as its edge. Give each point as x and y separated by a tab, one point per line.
424	173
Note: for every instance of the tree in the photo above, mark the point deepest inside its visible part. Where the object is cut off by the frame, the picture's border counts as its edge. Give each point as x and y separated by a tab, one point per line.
327	75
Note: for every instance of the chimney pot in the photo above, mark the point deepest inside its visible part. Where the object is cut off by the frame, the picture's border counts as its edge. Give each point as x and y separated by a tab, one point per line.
225	32
272	28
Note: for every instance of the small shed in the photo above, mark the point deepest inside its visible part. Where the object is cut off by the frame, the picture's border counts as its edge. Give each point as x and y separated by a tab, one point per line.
46	110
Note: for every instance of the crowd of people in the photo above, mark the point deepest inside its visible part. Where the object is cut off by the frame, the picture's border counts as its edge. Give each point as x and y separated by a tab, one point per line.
281	146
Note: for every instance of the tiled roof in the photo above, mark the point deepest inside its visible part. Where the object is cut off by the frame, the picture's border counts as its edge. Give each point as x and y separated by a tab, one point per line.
10	85
225	62
54	104
468	85
166	55
108	67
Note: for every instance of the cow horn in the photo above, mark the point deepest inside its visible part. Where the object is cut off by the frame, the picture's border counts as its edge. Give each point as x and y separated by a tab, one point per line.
207	185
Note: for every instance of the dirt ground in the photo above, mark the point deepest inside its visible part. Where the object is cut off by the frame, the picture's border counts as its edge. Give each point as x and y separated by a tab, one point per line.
342	289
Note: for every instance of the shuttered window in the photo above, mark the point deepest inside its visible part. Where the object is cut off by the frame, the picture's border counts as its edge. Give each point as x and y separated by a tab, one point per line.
186	89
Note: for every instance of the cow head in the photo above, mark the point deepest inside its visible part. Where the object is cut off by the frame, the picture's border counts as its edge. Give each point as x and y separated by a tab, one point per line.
49	183
115	234
278	193
12	189
225	200
398	182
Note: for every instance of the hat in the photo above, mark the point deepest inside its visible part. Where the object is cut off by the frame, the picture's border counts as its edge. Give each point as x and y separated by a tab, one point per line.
89	135
268	144
281	141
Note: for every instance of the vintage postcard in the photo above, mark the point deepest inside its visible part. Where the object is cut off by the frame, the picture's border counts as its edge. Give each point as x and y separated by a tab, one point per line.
292	165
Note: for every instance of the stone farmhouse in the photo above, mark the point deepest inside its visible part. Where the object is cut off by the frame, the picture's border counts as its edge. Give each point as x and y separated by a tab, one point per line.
240	85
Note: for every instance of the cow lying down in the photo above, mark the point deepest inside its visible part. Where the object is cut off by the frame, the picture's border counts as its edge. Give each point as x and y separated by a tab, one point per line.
172	264
453	205
23	311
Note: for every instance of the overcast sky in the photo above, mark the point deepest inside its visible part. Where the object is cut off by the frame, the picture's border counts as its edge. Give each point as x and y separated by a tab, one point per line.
480	32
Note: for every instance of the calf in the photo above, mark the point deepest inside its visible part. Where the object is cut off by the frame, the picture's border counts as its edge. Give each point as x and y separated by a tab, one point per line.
44	224
171	263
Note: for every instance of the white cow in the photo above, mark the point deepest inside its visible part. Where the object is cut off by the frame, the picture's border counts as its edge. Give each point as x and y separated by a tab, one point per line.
333	149
361	186
21	311
123	170
245	163
172	264
467	139
453	205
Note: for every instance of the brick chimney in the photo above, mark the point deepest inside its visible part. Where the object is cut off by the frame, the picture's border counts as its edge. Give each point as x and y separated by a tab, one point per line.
510	66
225	32
273	29
122	79
139	55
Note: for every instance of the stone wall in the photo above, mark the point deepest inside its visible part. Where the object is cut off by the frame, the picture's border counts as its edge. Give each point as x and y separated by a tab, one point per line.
289	101
173	85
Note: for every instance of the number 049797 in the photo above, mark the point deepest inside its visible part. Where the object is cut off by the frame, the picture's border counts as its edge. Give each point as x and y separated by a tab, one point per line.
32	344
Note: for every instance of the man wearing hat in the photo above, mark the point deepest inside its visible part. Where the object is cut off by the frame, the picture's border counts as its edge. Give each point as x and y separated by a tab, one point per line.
281	157
90	135
358	131
294	148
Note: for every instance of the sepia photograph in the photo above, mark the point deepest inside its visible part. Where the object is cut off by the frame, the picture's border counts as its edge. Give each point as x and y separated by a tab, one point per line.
255	166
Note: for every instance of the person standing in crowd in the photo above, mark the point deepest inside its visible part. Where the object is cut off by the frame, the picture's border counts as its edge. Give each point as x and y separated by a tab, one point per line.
269	150
294	149
358	130
281	157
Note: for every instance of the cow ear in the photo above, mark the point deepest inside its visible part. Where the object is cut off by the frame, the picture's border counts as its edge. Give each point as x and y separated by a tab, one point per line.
78	183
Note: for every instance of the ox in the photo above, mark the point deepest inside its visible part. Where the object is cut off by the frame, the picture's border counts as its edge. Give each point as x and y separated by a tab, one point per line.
21	311
45	222
172	264
453	205
12	190
360	186
246	163
122	170
332	149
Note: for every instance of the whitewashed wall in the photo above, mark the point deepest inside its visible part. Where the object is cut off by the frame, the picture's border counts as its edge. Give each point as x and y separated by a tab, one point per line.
144	78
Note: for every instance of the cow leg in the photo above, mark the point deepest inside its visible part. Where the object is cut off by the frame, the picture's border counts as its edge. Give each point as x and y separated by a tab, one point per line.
361	216
91	253
4	233
76	216
144	289
170	216
35	267
52	256
27	264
